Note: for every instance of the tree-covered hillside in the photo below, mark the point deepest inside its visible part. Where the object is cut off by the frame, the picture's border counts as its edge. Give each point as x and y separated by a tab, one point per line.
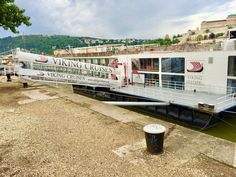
40	43
47	44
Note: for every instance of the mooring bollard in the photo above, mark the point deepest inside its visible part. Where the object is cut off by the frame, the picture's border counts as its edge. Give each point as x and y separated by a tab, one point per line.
8	77
25	85
154	135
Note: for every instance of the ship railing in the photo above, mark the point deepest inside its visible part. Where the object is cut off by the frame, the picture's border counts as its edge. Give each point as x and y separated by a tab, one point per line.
231	90
165	84
178	85
163	95
226	101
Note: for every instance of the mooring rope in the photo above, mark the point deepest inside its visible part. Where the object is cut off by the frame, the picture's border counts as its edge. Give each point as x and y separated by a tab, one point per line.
206	123
232	112
227	123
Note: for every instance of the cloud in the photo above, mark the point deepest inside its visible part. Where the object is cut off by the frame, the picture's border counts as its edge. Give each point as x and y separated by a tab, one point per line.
216	11
120	19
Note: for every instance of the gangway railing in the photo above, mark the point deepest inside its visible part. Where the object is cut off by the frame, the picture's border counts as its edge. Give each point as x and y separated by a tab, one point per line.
178	85
162	95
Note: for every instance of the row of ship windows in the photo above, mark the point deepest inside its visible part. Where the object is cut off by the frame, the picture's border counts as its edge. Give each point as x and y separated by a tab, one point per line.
170	65
174	65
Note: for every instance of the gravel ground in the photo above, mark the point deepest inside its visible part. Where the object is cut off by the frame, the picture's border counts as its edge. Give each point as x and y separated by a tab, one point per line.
57	137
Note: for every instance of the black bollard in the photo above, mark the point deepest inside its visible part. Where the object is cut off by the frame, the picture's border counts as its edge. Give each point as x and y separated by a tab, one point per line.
8	77
154	135
25	85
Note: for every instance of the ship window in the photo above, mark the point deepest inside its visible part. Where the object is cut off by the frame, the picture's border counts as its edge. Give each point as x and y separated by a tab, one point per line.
232	34
152	76
152	79
173	65
156	64
231	86
173	81
147	64
135	64
232	66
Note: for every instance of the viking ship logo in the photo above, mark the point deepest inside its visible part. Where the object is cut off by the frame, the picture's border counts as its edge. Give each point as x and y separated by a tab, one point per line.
40	74
42	59
196	67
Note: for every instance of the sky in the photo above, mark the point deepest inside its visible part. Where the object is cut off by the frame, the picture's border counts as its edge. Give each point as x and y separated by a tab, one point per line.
119	18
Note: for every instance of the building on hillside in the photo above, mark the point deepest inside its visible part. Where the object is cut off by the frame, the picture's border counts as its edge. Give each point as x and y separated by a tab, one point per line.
86	41
210	32
104	50
219	26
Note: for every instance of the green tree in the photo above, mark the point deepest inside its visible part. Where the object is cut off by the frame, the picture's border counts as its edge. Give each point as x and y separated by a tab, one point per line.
199	37
207	31
205	37
11	16
212	36
219	35
175	41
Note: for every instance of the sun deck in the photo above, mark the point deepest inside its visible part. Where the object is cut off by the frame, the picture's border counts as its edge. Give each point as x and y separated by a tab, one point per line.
198	100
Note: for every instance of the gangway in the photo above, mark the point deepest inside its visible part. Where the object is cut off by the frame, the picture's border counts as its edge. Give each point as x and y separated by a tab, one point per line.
39	68
58	70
